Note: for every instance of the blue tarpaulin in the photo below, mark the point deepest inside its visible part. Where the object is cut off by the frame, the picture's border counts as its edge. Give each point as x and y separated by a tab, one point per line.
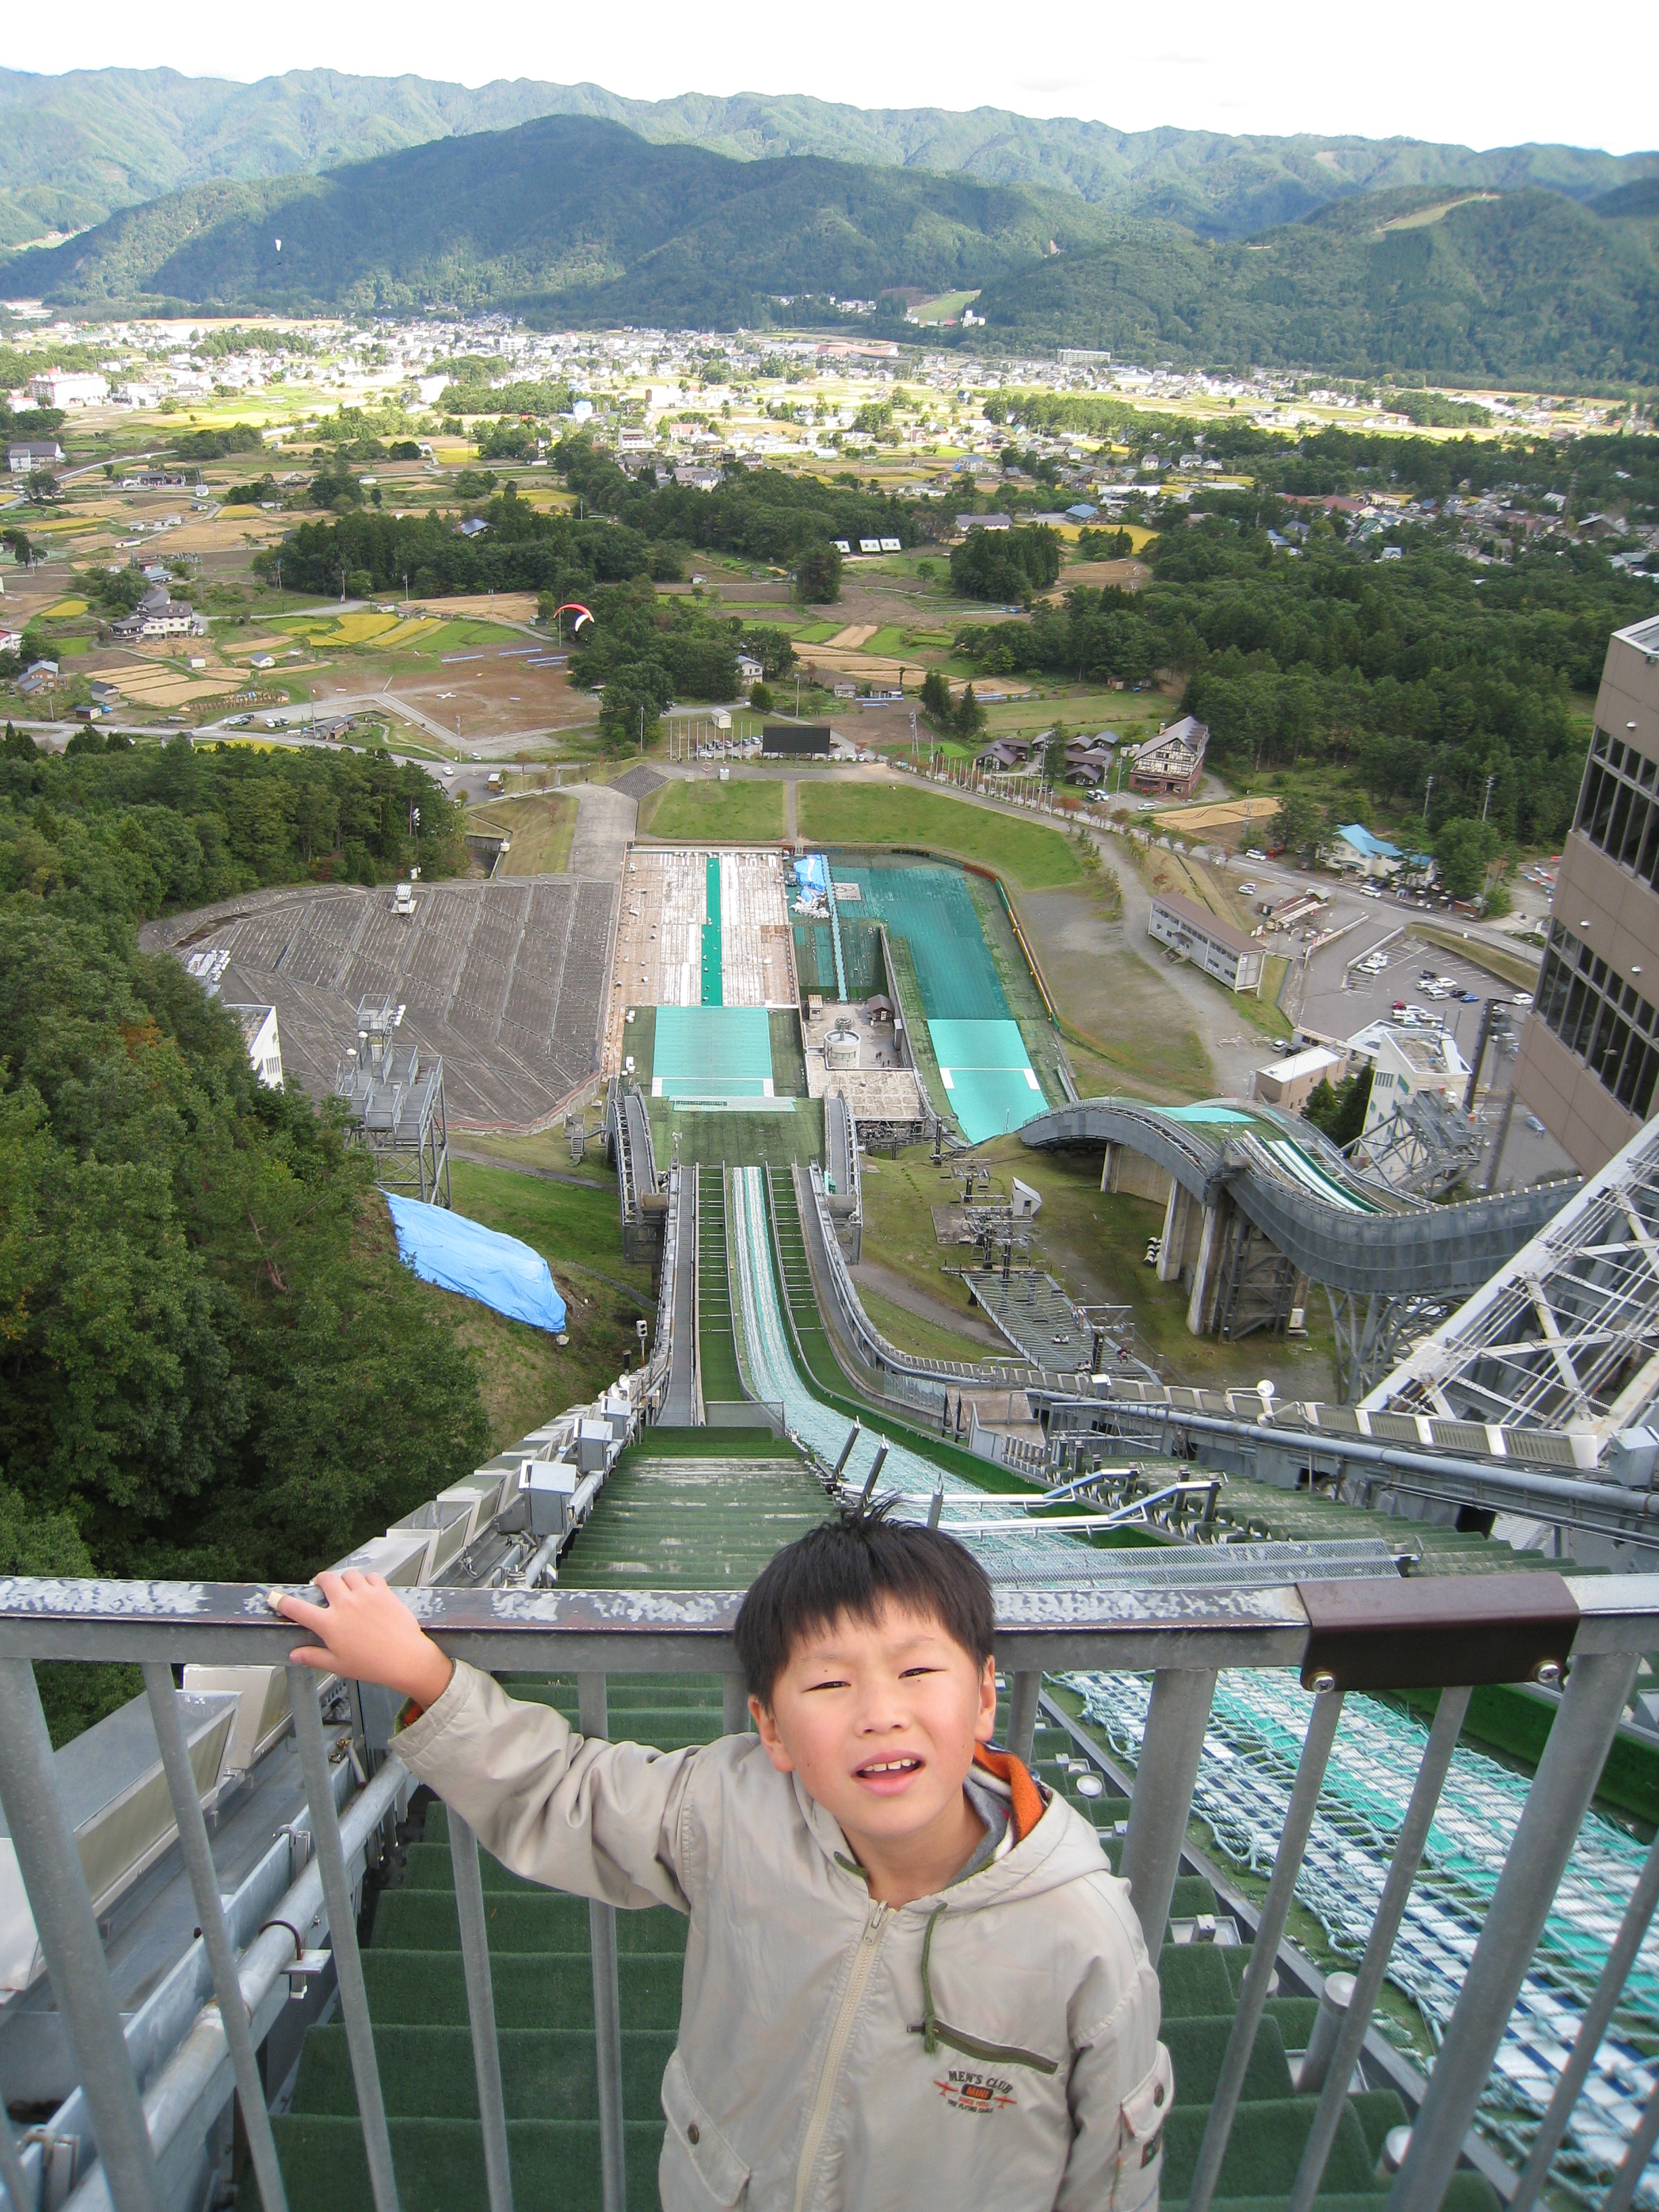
459	1255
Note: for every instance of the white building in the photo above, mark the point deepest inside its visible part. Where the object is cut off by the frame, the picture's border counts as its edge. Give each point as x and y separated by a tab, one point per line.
1404	1061
64	388
33	453
265	1049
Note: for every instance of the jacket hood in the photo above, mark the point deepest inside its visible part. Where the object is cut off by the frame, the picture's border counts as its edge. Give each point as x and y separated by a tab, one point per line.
1061	1847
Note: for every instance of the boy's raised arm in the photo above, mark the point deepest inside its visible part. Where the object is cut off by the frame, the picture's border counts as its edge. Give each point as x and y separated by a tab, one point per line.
601	1819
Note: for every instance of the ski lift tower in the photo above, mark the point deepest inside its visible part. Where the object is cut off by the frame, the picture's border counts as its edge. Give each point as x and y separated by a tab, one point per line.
394	1100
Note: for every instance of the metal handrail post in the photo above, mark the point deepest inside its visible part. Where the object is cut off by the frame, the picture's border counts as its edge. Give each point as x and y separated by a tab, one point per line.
19	2197
1023	1691
593	1720
197	1855
480	2012
58	1898
1550	1821
1633	2165
302	1696
1598	2015
1171	1745
1275	1908
1368	1983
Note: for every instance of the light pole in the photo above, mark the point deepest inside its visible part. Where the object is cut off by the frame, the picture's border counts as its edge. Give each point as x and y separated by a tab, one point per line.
1428	789
1486	801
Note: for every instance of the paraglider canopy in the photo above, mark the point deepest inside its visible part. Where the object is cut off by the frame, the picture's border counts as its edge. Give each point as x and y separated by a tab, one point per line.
576	607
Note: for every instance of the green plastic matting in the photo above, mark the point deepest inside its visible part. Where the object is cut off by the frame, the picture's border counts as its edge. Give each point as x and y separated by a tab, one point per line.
712	1053
987	1077
712	996
933	909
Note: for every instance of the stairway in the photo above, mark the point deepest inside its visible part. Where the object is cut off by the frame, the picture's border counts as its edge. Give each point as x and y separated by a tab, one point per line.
1201	1983
539	1944
544	2005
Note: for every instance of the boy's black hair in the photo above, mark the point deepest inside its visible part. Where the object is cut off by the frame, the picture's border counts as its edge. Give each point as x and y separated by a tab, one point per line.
854	1563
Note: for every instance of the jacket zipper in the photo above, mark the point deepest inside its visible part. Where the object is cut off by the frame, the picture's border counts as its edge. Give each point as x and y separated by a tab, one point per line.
869	1944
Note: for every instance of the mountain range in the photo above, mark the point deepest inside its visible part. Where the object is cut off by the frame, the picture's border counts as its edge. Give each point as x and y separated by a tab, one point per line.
579	220
75	148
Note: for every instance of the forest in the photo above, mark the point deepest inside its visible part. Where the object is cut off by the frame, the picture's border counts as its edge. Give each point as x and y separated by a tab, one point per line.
629	530
1425	666
211	1362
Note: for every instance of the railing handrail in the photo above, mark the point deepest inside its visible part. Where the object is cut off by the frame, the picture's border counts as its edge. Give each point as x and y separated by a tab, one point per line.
1342	1635
1092	1625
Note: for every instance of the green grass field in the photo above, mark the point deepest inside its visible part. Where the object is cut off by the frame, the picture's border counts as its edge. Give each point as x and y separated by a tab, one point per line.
923	1339
724	813
523	1373
1096	1243
1029	855
575	1230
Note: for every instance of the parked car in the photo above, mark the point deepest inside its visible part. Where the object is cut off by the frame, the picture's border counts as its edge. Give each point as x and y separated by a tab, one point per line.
1471	998
1521	998
1535	1125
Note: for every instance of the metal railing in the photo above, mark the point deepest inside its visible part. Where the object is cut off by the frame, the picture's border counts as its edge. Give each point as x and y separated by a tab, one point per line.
1342	1636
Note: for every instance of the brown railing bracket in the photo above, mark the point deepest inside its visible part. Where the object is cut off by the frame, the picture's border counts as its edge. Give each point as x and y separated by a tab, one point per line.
1437	1629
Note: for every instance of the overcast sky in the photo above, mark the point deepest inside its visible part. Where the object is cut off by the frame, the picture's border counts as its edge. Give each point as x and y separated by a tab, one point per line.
1478	76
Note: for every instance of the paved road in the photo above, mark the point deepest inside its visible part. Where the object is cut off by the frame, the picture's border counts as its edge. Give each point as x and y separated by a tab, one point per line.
604	822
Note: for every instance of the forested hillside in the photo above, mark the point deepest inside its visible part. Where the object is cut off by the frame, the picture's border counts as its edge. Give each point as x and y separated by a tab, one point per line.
1525	284
572	219
211	1360
75	148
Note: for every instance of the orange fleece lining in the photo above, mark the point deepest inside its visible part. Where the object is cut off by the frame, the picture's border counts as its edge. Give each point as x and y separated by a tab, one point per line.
1026	1799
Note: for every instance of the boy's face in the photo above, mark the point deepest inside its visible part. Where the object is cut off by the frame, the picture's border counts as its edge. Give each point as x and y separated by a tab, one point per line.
880	1718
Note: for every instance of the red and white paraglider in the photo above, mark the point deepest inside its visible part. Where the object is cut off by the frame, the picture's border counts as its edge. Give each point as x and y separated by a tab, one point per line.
576	607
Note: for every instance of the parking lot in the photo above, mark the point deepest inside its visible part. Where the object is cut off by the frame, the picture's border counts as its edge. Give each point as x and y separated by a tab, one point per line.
1342	997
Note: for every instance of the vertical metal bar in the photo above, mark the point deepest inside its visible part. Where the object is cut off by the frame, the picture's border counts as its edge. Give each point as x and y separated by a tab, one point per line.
19	2196
216	1934
1379	1949
1171	1748
50	1867
302	1687
1287	1861
1597	2017
480	2012
734	1705
593	1720
1550	1819
1633	2165
1023	1693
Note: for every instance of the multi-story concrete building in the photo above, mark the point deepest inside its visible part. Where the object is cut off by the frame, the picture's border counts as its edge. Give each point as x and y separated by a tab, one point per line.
1590	1052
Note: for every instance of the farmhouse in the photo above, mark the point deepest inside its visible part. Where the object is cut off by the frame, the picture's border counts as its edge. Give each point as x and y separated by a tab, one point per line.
1170	764
156	615
33	453
1354	846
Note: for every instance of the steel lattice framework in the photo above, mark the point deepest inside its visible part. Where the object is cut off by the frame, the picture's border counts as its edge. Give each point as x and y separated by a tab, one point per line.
1565	1334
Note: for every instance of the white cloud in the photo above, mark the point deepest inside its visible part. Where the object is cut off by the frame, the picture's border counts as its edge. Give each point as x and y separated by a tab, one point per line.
1410	70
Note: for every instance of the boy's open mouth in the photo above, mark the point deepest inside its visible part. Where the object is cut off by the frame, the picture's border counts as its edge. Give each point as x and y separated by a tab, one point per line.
889	1773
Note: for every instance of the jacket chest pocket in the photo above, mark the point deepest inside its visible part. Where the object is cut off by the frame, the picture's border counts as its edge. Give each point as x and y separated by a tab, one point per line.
699	2168
1140	2136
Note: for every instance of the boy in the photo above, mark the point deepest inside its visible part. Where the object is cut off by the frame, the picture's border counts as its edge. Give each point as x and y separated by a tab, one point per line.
911	1978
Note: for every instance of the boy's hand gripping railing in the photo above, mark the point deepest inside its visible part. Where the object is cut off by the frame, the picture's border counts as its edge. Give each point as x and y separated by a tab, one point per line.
1347	1635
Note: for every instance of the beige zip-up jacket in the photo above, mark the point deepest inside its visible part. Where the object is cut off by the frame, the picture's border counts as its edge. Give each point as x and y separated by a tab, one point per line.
995	2045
